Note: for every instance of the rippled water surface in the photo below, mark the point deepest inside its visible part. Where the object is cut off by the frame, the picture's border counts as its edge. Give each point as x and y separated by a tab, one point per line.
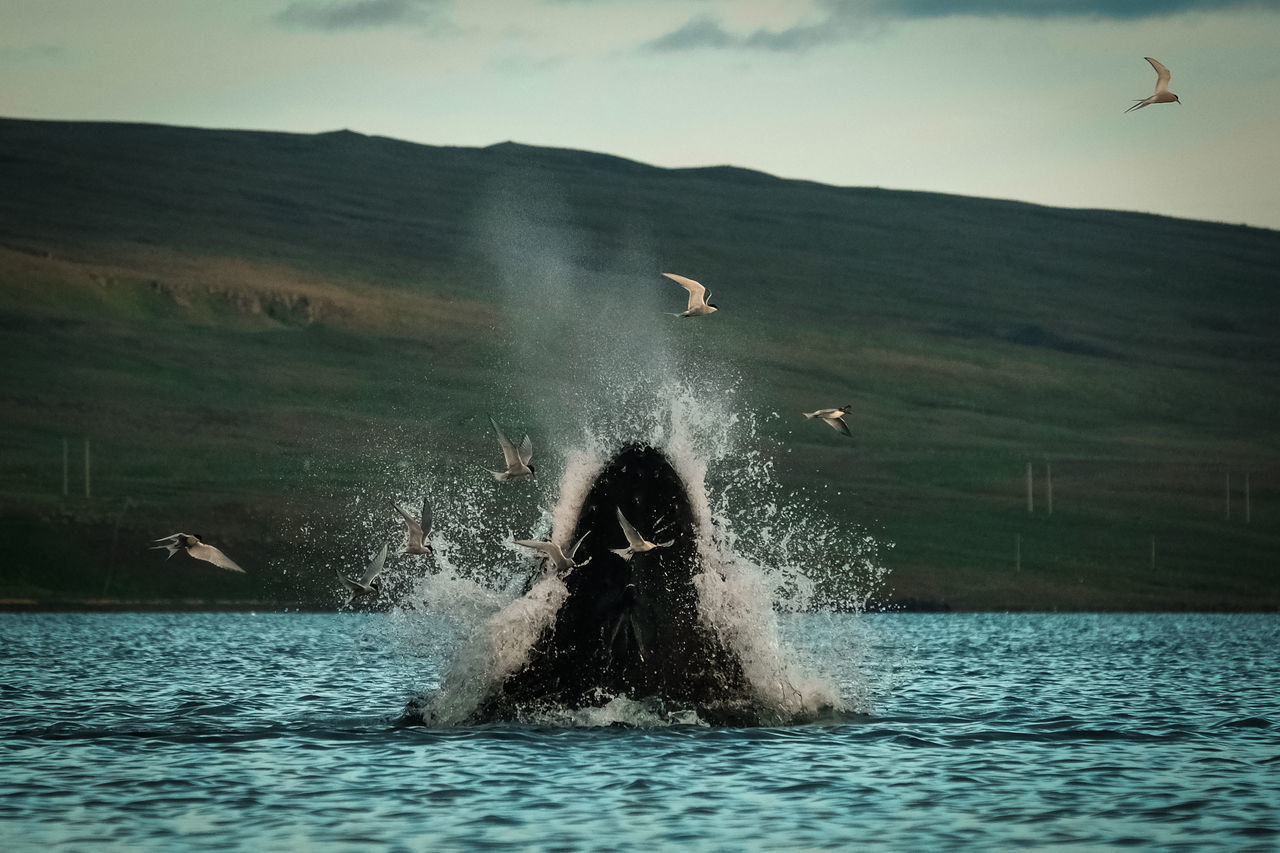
164	731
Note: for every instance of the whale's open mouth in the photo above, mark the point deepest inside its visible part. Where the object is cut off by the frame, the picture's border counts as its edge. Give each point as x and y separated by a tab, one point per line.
629	625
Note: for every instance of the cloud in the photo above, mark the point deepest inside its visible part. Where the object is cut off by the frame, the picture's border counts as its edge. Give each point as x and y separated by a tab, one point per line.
706	32
699	32
843	20
353	14
1116	9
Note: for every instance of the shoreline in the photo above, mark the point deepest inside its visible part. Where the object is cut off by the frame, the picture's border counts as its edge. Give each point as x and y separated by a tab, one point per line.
191	605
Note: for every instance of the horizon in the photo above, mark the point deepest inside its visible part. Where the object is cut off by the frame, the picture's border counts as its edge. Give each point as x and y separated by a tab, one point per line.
979	98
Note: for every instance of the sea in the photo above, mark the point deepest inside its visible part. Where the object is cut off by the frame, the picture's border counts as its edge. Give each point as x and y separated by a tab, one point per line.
284	731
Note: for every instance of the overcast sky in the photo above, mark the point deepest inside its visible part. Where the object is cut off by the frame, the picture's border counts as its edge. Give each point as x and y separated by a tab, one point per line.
1019	99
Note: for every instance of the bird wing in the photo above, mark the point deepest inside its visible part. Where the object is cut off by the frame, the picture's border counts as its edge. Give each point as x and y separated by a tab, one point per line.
837	423
1162	74
696	291
508	450
375	568
415	529
346	581
576	545
526	450
634	539
210	554
536	544
551	549
169	543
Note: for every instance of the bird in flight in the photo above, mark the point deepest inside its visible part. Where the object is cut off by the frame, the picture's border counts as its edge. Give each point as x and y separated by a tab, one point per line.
833	418
370	582
1162	94
562	561
518	462
698	304
191	543
636	544
419	531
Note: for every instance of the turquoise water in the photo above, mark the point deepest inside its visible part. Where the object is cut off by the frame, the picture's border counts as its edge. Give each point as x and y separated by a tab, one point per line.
277	731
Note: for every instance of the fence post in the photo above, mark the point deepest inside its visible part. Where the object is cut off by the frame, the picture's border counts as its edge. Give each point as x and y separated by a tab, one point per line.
1048	487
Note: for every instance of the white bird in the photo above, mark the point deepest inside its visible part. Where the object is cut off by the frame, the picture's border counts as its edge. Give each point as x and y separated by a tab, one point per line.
636	544
419	531
190	543
1162	94
370	582
562	562
833	418
518	462
698	304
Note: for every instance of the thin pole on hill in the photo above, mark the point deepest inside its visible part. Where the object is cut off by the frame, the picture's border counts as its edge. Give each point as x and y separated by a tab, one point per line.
1048	487
66	468
1030	496
86	468
115	541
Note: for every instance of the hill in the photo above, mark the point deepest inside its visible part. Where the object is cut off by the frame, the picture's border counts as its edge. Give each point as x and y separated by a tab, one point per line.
254	328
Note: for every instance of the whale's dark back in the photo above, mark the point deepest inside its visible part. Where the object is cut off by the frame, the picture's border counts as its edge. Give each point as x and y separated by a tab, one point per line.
629	627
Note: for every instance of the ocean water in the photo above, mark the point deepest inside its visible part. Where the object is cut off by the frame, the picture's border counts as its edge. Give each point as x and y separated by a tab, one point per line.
986	731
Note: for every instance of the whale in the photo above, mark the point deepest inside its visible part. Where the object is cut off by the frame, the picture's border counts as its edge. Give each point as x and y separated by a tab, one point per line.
630	624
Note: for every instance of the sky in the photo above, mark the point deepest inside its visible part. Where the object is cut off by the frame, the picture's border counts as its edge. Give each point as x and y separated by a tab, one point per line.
1016	99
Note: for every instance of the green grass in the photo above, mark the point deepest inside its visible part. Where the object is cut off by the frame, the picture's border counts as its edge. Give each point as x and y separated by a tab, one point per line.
249	326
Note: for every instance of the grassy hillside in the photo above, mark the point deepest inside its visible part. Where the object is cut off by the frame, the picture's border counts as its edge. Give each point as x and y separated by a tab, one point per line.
250	328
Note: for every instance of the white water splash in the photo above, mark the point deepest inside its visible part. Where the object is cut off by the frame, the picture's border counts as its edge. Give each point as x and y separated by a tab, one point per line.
759	548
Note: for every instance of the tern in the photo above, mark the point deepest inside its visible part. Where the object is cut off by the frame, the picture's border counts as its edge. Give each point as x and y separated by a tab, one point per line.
562	562
517	461
1162	94
419	531
636	544
191	543
370	582
698	304
833	418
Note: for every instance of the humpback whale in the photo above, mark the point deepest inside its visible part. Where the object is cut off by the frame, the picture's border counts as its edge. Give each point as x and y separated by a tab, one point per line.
630	624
